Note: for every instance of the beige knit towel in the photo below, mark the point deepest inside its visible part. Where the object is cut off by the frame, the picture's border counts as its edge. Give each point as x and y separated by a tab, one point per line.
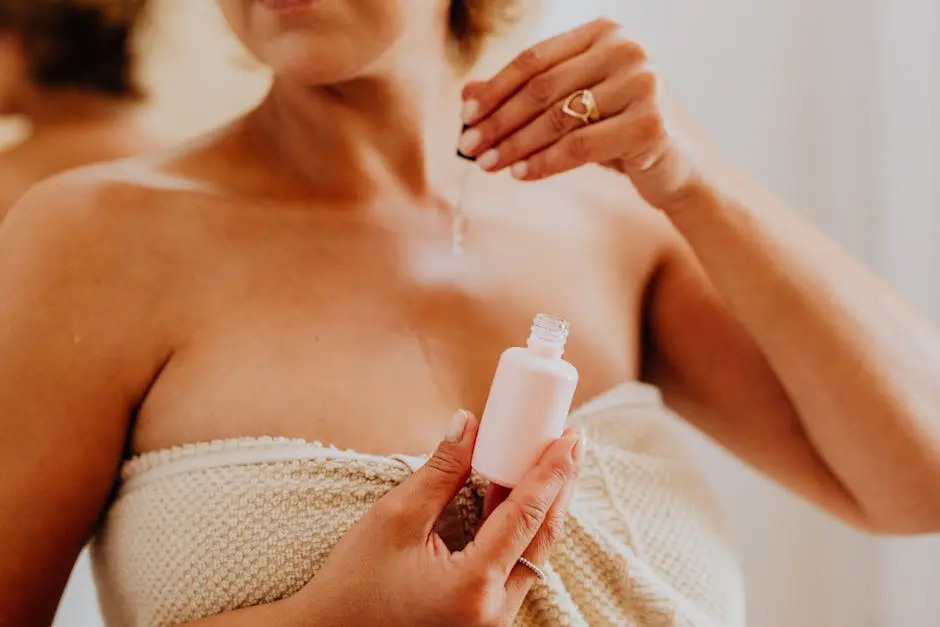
203	529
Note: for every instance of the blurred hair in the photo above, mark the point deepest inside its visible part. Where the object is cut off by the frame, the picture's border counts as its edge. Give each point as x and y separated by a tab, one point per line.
78	44
473	22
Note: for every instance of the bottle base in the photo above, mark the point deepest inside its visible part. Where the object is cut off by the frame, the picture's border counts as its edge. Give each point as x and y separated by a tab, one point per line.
499	482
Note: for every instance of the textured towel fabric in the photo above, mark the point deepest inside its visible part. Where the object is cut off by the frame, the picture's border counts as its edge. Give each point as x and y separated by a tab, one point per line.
203	529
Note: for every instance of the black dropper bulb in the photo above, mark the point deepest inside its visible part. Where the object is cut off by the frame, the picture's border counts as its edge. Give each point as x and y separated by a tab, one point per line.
460	154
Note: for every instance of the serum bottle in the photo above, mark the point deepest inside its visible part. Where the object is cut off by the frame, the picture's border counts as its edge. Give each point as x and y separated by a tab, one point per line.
528	404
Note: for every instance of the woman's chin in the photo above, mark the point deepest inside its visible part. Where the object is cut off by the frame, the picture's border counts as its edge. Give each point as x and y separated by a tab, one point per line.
315	63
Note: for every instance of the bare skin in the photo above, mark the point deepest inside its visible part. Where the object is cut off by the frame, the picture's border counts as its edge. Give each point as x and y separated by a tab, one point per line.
70	131
291	275
278	313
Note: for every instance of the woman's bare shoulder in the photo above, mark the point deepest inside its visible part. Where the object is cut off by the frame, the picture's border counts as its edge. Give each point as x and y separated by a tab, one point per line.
94	201
11	189
92	236
115	199
34	160
78	251
16	177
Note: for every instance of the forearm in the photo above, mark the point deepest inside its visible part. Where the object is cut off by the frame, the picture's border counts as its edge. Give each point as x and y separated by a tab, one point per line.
860	366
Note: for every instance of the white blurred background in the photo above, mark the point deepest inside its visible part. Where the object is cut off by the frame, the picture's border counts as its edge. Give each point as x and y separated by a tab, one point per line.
835	104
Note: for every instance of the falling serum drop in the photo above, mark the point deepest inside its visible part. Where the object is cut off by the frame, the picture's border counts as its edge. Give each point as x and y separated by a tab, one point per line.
528	404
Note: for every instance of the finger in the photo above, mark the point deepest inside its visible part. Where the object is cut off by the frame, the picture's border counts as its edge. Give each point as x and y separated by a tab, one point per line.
634	140
509	531
539	94
522	578
496	494
614	61
419	501
612	97
482	98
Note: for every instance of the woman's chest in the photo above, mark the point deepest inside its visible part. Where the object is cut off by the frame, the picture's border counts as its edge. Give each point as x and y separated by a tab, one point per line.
372	346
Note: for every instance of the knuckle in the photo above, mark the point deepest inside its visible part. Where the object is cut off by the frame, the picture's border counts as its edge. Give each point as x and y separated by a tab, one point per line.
627	51
492	127
468	91
446	460
537	167
650	127
530	514
541	90
533	514
478	605
578	147
558	473
649	136
480	582
510	150
554	530
645	85
605	24
529	61
558	121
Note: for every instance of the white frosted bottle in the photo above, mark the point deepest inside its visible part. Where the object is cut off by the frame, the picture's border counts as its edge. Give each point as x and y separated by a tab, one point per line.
528	404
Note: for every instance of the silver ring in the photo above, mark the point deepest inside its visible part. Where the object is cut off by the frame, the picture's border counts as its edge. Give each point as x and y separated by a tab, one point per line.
535	569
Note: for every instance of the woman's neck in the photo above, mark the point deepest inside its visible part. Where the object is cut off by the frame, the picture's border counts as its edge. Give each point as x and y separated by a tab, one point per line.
351	139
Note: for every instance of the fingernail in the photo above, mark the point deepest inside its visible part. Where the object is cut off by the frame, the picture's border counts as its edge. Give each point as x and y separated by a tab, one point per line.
469	111
458	425
520	170
488	159
470	140
577	450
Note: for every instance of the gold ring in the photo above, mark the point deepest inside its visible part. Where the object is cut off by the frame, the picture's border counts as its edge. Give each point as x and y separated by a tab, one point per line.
585	98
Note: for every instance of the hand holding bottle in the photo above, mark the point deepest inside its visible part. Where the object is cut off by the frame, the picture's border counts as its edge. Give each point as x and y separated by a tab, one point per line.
392	569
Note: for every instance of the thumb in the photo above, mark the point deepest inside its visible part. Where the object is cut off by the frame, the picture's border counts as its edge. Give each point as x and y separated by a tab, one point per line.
436	483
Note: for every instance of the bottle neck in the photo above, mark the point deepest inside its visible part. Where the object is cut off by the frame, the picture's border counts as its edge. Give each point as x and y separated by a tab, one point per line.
548	336
545	349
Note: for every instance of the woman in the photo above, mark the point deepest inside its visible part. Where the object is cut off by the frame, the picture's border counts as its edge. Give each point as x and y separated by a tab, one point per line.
67	67
292	276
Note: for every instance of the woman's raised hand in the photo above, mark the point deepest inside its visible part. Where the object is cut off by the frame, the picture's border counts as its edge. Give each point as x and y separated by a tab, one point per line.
585	96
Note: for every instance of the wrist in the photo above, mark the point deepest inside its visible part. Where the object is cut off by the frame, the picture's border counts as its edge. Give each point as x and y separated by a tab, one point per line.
696	203
307	608
716	194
